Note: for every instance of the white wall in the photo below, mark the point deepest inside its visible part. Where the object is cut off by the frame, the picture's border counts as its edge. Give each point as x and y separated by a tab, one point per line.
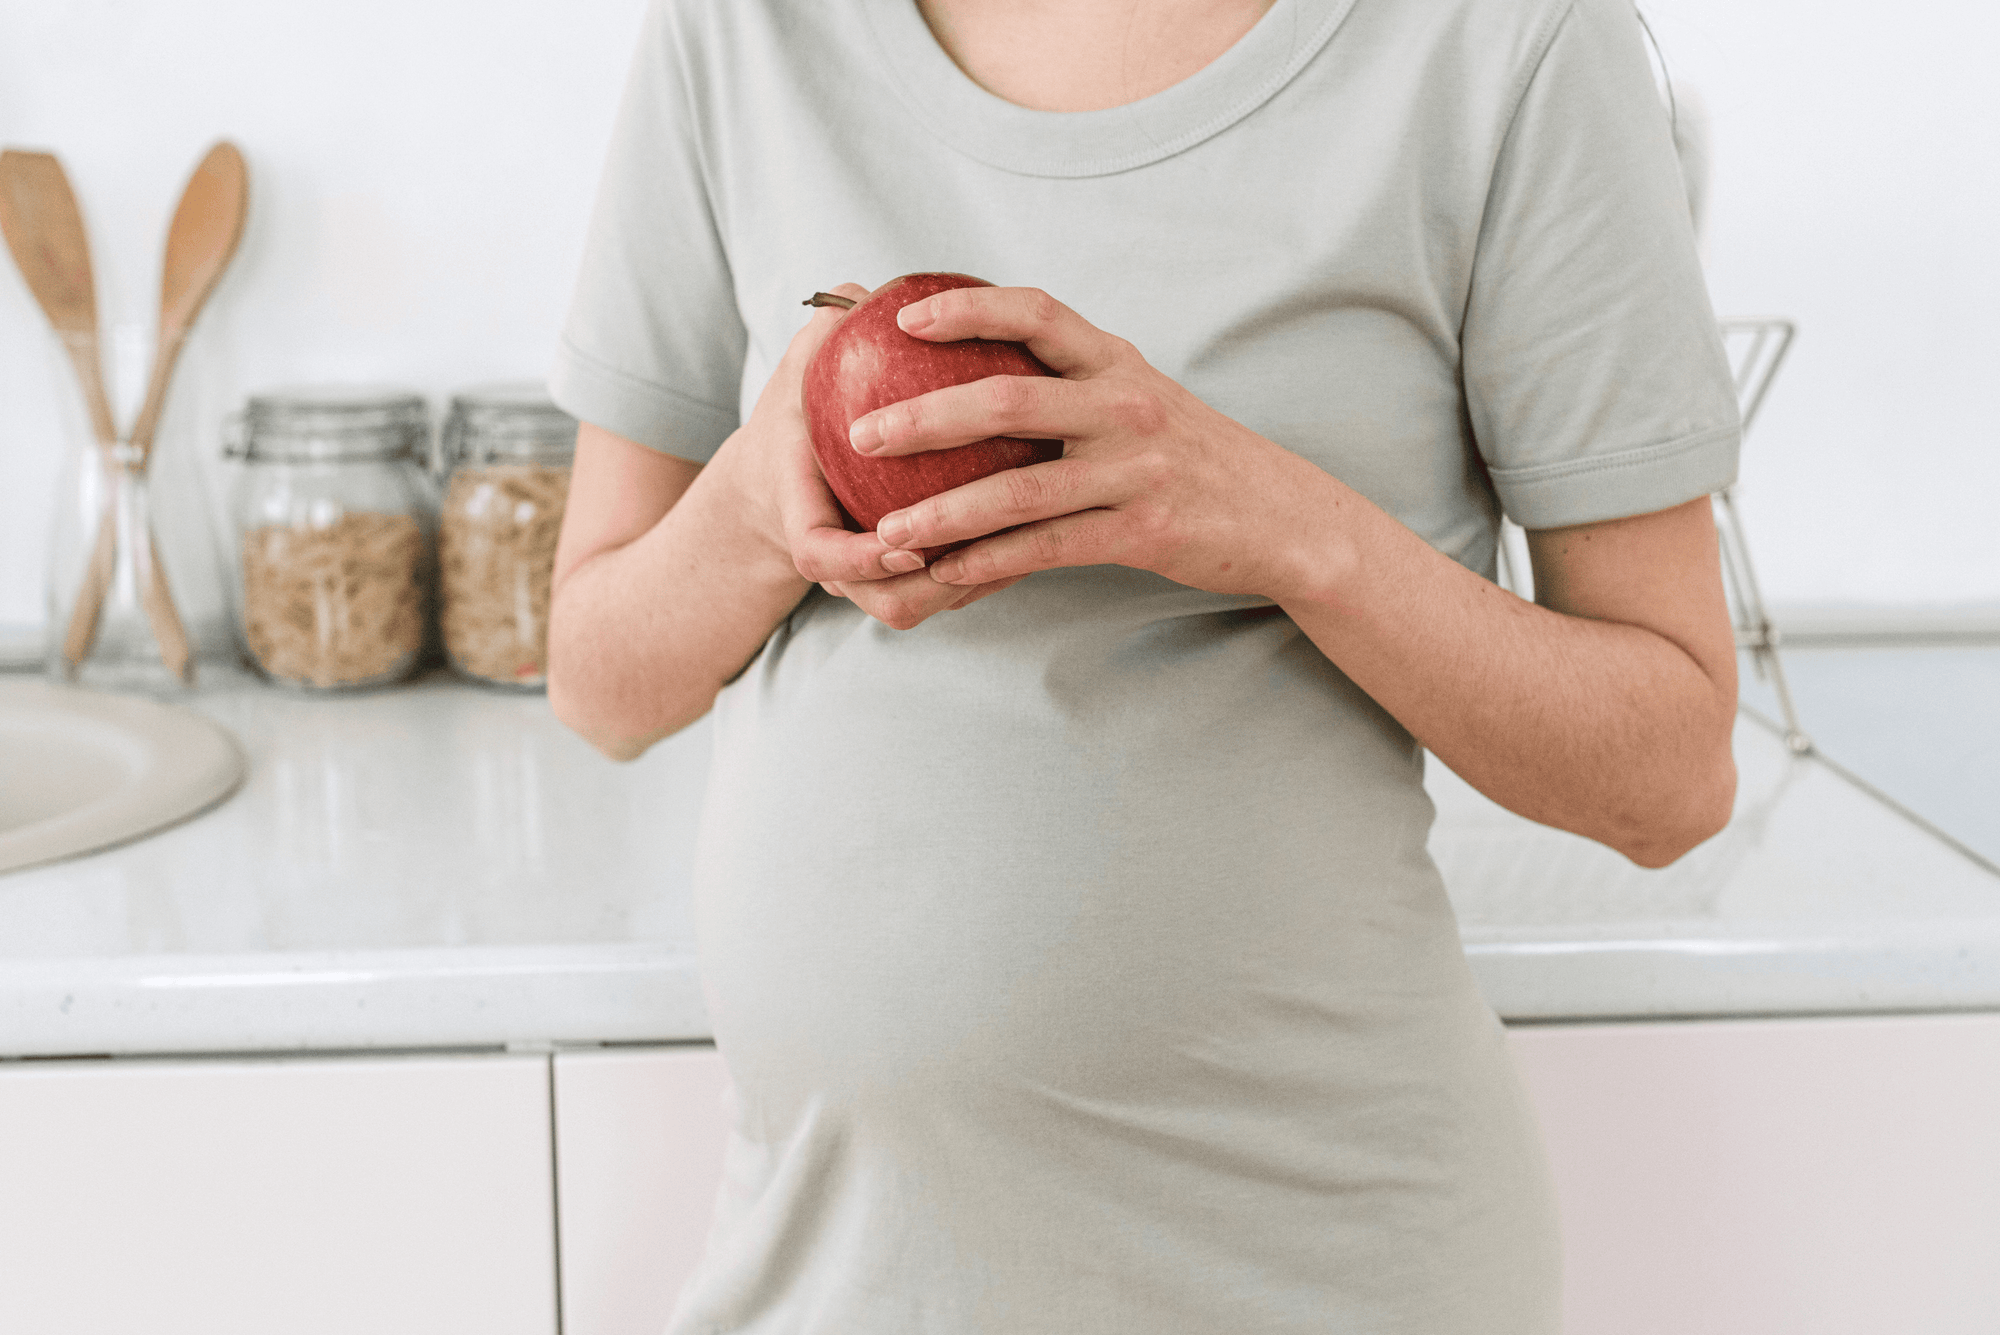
1857	190
421	172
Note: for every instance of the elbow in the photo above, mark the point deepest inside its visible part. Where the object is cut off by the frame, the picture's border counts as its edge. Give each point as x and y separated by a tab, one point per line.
614	696
616	724
1676	823
584	693
573	711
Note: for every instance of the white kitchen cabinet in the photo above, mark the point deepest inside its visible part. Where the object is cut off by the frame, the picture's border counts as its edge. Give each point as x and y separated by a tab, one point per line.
1823	1176
639	1140
1835	1176
385	1195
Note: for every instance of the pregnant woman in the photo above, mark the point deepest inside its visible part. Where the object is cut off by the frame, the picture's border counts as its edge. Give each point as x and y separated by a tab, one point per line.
1065	912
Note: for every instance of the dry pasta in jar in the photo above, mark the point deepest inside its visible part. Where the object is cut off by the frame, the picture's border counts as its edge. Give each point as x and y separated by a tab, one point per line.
334	519
507	453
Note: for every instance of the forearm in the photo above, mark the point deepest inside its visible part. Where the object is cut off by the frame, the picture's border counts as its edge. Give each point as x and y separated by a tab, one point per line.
1607	711
643	636
1608	730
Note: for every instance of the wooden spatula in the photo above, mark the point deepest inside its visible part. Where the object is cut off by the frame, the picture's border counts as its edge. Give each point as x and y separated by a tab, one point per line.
208	223
44	230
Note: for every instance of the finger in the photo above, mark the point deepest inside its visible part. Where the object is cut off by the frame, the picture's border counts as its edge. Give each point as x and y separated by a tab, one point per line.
1029	407
805	503
983	591
1086	539
824	320
816	532
791	367
970	595
829	554
1004	499
904	602
1067	343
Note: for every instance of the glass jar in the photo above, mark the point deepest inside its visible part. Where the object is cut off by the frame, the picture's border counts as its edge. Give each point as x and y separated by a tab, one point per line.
506	455
333	520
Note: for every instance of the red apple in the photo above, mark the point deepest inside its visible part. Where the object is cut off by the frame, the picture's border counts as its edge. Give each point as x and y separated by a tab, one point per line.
869	363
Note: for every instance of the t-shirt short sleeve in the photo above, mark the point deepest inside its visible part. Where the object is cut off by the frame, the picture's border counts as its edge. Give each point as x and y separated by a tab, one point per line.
653	346
1594	374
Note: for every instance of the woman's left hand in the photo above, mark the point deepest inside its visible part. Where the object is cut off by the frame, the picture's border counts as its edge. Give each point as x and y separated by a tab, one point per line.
1151	477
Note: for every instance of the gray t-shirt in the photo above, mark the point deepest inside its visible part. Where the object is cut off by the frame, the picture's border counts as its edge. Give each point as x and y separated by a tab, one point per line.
1077	958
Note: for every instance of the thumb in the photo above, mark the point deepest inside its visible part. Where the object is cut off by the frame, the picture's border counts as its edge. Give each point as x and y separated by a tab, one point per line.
825	319
781	390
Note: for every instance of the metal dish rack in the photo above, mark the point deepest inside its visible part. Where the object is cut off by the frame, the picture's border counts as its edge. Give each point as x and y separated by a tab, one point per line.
1756	349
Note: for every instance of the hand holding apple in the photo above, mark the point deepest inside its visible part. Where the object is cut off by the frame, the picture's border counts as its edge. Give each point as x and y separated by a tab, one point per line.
780	480
868	362
1151	477
809	520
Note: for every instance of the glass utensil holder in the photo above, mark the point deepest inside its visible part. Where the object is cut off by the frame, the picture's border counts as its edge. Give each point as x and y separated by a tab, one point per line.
113	619
133	590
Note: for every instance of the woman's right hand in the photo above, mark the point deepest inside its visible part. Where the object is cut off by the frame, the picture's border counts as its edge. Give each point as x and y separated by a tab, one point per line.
888	583
670	576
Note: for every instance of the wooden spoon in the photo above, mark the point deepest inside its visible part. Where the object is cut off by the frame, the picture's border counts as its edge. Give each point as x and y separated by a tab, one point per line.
200	242
207	225
44	229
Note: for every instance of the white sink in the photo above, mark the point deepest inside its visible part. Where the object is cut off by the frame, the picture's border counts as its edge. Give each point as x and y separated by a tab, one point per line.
80	770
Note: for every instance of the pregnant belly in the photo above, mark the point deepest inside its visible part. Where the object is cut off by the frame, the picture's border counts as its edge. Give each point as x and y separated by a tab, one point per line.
1056	837
1076	918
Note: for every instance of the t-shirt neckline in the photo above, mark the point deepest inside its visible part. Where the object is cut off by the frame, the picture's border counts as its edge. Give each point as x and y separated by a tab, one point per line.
1017	139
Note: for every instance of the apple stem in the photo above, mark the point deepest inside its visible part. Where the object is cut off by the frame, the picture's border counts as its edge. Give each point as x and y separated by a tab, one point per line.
828	299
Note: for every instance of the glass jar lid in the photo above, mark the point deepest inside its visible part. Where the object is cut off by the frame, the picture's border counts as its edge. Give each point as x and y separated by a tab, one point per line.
330	422
511	422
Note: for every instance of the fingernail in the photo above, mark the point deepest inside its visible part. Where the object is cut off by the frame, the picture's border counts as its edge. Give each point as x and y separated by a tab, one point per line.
948	570
866	434
894	529
902	562
917	316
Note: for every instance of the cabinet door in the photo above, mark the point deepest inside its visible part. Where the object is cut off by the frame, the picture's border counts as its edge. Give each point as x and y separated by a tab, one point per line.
1775	1177
639	1141
307	1196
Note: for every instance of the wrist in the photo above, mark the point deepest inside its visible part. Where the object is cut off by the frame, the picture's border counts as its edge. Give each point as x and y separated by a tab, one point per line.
745	497
1321	561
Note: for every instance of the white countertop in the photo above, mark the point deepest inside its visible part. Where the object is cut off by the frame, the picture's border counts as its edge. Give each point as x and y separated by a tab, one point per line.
434	865
444	866
1819	898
